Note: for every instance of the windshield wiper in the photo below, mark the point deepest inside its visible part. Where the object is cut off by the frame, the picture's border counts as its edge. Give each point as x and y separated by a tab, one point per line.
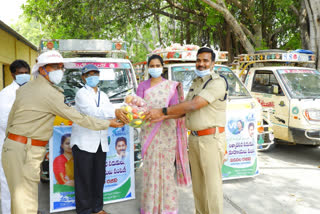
121	92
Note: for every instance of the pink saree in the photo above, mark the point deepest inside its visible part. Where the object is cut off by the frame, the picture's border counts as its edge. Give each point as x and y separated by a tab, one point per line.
163	143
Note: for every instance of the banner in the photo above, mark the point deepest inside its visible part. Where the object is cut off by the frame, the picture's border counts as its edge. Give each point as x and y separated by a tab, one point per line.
119	184
241	133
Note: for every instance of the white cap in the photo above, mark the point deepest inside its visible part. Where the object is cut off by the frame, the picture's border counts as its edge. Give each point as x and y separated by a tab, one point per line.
48	57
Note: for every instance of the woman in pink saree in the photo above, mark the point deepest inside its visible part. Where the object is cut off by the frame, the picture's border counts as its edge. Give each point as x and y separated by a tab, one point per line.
164	143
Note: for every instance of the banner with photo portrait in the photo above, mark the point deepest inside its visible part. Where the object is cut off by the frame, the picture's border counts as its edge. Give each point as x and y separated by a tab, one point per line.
241	132
119	184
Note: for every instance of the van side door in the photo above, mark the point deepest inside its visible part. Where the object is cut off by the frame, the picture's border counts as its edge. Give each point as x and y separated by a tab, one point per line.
267	90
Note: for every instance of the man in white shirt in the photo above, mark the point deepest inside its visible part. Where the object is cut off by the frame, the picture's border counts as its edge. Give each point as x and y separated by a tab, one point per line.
89	147
20	72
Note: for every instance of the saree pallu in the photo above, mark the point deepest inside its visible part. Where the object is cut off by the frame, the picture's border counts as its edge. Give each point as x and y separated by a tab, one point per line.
163	143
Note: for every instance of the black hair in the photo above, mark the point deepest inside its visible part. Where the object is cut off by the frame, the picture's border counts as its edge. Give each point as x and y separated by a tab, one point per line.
207	50
155	57
251	124
19	64
121	139
63	138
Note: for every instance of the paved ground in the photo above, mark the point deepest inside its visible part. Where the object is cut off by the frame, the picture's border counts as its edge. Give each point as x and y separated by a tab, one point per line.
289	183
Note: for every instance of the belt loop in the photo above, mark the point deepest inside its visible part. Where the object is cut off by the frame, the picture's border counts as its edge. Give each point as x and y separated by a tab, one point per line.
217	131
29	143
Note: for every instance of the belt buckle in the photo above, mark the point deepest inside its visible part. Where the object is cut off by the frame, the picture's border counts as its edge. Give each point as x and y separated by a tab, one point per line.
194	133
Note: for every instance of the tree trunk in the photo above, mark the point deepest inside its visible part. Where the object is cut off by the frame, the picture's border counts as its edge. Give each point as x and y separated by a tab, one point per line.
303	23
233	23
313	10
229	44
188	34
181	33
159	29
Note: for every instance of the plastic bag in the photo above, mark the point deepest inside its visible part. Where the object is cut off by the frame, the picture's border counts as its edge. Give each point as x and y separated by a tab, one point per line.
135	107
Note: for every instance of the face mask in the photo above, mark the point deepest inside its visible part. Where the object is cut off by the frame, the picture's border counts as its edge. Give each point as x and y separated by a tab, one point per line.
21	79
155	72
54	76
202	73
92	81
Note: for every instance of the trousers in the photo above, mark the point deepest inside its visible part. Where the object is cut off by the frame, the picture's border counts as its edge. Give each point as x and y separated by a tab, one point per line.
89	178
21	165
4	188
206	158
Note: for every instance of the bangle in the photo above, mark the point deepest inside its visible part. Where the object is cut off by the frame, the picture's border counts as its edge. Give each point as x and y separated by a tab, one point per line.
164	111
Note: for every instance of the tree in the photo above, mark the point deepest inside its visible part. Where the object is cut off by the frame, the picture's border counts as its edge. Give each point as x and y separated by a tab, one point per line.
309	23
313	11
233	25
30	29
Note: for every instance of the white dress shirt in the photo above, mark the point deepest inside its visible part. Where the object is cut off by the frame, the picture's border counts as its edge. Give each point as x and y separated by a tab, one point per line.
7	98
96	105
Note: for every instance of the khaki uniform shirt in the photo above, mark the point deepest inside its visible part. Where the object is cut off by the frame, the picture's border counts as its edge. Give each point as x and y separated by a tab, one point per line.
36	106
214	114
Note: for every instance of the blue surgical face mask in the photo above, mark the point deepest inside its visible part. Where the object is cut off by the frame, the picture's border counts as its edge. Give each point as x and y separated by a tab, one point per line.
155	72
92	81
21	79
202	73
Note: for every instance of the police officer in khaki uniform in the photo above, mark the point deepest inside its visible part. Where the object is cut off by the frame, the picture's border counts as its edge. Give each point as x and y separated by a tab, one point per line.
205	112
30	126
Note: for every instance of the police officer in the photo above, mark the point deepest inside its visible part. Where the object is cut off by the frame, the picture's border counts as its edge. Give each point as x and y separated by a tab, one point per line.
30	126
205	112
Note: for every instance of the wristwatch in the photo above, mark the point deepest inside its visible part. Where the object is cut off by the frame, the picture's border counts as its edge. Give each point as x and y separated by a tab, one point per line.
164	111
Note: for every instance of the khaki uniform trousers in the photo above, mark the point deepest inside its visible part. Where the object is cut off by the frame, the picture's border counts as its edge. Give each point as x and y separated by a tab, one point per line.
21	164
206	158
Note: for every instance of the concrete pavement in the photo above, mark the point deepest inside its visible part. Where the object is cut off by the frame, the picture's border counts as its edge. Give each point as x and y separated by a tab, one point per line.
289	183
186	204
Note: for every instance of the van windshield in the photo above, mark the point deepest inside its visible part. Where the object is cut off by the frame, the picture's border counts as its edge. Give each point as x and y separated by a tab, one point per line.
301	83
186	74
115	82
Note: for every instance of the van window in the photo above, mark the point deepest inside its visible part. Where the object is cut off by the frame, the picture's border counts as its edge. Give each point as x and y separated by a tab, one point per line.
186	74
115	81
263	82
301	83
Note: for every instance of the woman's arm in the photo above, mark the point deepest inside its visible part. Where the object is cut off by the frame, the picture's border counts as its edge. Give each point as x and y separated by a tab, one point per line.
62	179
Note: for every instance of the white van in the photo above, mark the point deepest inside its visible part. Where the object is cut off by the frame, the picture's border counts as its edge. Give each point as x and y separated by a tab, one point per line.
292	92
117	76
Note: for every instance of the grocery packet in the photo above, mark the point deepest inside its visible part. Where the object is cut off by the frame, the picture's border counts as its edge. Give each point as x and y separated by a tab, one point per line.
135	107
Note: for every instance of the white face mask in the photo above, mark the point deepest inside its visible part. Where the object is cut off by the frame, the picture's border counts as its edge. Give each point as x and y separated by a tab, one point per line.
155	72
203	73
54	76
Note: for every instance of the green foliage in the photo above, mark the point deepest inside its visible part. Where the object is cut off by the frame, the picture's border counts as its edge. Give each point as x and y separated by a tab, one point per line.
294	42
30	29
192	21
